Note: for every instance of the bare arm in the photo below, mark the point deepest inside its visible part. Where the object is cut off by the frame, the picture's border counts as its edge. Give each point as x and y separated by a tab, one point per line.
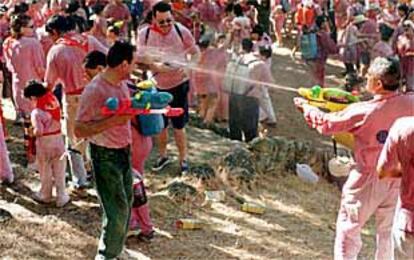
85	130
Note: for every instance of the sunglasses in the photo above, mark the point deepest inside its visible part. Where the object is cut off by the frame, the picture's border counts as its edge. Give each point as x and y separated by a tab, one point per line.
167	21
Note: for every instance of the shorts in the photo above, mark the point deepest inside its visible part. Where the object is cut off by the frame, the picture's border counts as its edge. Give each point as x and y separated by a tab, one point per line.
180	94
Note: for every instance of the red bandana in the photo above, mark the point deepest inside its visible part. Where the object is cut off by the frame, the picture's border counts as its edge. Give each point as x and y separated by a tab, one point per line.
50	104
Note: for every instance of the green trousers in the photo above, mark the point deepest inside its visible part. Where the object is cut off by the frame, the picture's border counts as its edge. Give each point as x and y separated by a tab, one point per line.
113	176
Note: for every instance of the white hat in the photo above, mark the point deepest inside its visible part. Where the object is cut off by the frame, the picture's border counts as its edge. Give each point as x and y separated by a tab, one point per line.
409	23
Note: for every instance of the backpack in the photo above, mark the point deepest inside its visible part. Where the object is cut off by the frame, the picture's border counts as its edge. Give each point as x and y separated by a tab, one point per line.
285	6
309	46
236	72
177	29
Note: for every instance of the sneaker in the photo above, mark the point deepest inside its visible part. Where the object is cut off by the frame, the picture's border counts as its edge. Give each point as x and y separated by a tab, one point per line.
39	198
134	232
62	201
146	237
160	164
184	167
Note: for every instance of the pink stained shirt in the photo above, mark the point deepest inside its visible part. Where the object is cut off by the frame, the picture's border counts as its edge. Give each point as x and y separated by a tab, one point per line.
92	100
48	146
204	78
118	13
6	173
25	59
381	49
406	46
369	122
170	49
399	151
64	64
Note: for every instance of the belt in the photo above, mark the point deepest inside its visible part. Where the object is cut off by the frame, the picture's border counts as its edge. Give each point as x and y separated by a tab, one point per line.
52	133
76	92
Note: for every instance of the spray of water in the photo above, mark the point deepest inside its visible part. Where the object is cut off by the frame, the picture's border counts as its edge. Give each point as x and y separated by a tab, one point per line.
174	61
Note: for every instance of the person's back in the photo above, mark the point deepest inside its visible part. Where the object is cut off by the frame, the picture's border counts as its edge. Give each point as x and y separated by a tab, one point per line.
397	160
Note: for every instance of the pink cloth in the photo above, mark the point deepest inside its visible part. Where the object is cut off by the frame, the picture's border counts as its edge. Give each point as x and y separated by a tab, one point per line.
99	29
391	18
204	82
141	149
223	102
169	49
64	63
92	100
279	19
404	46
398	150
363	193
118	12
49	150
26	61
381	49
210	13
45	40
6	173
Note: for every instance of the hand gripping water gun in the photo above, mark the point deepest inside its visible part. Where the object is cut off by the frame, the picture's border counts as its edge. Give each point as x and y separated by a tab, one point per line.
147	101
331	100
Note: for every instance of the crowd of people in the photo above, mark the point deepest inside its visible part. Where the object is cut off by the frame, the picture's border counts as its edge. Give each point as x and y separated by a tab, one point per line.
61	60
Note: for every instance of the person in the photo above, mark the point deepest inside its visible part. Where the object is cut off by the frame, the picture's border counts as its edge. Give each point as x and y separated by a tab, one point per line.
267	111
396	161
63	65
25	59
205	86
6	172
117	11
405	50
99	23
245	93
383	47
110	140
45	119
94	63
169	43
364	194
326	47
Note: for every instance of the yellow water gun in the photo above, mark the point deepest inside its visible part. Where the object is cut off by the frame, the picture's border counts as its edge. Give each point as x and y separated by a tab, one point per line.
331	100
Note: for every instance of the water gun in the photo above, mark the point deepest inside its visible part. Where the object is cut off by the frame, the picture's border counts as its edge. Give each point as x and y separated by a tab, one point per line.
328	99
331	100
145	102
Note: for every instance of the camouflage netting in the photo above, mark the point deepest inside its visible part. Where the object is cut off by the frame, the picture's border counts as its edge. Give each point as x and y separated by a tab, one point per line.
180	191
268	155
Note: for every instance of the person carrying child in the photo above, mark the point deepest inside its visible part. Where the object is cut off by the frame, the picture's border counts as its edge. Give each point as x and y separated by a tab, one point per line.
45	119
364	194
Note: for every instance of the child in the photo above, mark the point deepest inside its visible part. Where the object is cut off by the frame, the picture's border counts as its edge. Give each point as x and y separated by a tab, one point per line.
363	193
6	174
405	49
278	19
49	143
396	160
267	112
326	47
206	89
349	50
